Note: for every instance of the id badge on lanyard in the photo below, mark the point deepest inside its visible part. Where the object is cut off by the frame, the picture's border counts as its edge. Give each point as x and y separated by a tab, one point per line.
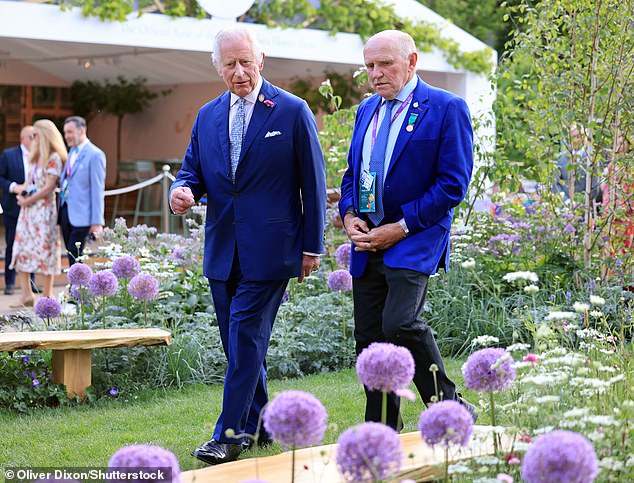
367	192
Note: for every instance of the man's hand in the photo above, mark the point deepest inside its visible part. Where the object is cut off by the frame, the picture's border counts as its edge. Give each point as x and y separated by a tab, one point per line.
309	264
96	230
380	238
181	200
354	225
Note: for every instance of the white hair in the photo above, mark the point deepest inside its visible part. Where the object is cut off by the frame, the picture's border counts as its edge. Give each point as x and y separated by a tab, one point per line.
402	42
231	33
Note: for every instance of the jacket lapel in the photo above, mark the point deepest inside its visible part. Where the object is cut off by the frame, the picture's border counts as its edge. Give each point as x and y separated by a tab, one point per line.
260	115
420	98
222	130
364	124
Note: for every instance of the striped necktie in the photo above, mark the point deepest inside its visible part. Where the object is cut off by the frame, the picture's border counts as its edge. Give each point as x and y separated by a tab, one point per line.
377	162
236	137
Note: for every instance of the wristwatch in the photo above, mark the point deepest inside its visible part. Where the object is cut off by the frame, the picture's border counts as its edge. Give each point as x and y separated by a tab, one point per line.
404	226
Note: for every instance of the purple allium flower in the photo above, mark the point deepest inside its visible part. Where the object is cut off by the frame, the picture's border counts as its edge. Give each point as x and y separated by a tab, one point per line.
295	419
103	283
560	456
79	274
369	452
47	308
146	456
79	294
489	370
446	423
113	391
342	255
340	281
126	266
36	383
385	367
569	229
144	287
178	254
25	359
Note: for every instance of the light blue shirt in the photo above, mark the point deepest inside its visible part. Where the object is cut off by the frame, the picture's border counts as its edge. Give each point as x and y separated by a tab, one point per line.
395	128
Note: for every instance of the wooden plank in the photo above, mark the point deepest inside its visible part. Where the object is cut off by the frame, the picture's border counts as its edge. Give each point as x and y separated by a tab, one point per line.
319	463
72	367
83	339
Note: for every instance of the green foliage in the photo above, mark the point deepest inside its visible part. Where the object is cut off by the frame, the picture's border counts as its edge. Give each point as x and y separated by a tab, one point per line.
363	17
25	383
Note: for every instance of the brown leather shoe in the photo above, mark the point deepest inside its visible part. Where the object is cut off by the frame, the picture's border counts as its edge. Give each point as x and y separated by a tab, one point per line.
215	453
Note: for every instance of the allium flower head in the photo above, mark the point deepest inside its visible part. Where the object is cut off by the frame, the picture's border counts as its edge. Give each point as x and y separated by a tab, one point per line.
126	267
560	456
103	283
35	383
446	423
580	307
144	287
342	255
340	281
561	315
178	254
47	308
596	300
146	456
369	452
113	391
385	367
469	264
79	274
489	370
295	419
531	289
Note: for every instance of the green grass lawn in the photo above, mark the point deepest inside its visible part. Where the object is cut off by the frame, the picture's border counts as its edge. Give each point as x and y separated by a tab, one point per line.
176	419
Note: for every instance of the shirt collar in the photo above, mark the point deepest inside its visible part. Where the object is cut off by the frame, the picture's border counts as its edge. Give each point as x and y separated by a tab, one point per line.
252	96
407	89
25	152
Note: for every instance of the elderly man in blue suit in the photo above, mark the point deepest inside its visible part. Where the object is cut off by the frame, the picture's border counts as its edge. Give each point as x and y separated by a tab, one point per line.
82	184
409	165
14	168
254	151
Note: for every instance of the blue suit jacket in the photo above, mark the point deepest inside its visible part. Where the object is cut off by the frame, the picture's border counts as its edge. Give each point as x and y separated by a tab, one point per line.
276	208
85	197
11	170
428	176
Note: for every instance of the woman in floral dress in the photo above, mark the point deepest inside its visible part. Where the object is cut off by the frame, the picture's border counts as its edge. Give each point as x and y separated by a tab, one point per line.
37	246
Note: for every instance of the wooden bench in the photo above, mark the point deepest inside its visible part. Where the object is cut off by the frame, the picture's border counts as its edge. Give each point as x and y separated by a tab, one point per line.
72	349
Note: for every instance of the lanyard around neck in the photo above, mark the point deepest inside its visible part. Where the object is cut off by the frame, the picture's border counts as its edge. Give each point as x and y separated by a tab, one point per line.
375	121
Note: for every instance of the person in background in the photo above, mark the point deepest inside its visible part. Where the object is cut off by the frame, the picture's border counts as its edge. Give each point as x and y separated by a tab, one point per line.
255	151
409	165
14	167
82	187
37	247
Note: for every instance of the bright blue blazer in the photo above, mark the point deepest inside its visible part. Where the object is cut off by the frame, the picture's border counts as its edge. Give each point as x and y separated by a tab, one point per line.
428	176
276	209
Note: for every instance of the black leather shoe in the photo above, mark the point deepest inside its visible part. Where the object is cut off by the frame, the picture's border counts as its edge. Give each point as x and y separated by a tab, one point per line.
215	453
36	288
247	443
469	407
10	290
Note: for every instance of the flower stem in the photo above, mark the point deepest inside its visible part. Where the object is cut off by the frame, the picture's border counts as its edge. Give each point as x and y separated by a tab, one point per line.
293	466
384	408
493	423
447	464
103	317
343	317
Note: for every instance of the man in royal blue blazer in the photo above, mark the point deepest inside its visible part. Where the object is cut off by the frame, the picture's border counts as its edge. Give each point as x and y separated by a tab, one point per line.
409	165
254	151
14	167
82	185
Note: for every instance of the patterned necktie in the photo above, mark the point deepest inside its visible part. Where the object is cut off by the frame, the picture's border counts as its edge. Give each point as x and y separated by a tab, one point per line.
377	162
236	137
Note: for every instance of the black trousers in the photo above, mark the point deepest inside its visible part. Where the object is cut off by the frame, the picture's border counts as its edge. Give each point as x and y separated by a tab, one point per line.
10	223
387	306
74	236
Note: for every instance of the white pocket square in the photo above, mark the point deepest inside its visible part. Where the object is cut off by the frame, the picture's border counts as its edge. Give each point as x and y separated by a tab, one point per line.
270	134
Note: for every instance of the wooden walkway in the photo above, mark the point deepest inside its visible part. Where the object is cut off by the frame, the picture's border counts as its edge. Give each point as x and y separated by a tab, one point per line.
318	464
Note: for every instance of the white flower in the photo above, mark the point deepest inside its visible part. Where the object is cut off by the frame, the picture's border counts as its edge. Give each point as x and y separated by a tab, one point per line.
601	420
546	399
485	341
611	464
531	289
576	413
518	347
596	314
596	300
596	436
469	264
487	460
458	468
513	276
544	332
580	307
559	315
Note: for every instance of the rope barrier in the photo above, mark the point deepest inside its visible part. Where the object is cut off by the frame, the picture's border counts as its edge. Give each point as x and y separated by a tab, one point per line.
138	186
